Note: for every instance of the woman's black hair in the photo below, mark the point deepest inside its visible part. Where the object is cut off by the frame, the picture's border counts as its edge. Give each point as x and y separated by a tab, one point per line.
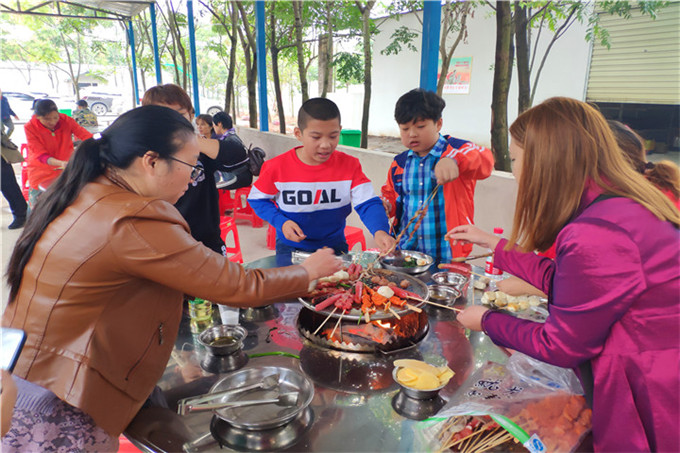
44	106
131	136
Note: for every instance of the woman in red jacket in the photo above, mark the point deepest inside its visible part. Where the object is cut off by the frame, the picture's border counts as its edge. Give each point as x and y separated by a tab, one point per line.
50	145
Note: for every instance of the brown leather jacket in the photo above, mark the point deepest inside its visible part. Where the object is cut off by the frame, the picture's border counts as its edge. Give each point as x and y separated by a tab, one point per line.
101	298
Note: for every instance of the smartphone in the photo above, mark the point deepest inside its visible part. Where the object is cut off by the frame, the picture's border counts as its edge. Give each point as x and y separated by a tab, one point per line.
11	343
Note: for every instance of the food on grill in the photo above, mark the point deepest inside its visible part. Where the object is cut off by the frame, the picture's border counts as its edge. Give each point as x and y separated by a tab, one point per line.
356	288
420	375
513	304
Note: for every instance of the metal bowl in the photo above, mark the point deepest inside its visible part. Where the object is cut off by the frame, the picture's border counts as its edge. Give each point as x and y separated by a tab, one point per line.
442	294
417	394
223	339
454	279
396	262
265	416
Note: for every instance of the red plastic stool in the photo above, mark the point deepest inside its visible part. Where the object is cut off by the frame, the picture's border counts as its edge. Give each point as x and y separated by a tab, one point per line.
125	446
353	236
242	209
226	200
271	238
227	225
24	171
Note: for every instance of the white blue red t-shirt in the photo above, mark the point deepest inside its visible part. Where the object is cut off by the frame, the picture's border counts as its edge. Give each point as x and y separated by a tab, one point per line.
316	197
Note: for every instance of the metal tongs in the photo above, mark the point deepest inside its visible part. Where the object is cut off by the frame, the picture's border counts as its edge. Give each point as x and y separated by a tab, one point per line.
283	399
186	405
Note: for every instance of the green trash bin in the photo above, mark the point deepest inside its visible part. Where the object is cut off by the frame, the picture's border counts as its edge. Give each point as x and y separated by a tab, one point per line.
66	112
350	137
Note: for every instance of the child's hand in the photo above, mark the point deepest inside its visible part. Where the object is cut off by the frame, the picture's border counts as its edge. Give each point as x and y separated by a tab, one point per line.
471	317
470	234
446	170
384	241
292	231
388	207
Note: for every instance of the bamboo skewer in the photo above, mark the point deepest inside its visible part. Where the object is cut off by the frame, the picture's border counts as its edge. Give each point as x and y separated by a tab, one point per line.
337	323
396	315
413	308
433	303
324	321
462	259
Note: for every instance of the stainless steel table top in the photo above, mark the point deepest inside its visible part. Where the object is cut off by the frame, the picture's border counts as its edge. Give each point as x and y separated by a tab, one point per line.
352	409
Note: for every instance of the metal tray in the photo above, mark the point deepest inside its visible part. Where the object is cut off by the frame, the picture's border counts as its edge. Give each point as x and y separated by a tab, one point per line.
396	262
265	416
416	286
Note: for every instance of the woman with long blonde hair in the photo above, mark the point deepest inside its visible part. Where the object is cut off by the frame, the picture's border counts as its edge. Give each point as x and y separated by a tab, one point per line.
614	285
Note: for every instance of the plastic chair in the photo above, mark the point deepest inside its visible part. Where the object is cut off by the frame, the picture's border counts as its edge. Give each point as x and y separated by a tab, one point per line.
353	236
24	171
271	238
242	209
125	446
227	225
226	200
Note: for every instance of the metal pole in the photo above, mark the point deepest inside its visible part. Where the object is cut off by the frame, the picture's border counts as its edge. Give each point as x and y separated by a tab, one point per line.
261	65
135	84
154	34
432	15
192	49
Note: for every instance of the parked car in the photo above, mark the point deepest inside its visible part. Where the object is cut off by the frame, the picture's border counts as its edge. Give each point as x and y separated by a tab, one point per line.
22	103
102	102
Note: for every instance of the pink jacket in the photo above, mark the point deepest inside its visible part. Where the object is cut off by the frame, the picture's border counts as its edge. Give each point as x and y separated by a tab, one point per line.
614	289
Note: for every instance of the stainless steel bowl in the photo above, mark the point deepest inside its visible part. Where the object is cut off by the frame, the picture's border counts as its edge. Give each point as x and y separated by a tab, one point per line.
442	294
265	416
458	281
416	393
396	262
223	339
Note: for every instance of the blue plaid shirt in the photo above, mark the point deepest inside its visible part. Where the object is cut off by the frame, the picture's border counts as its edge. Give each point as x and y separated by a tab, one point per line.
418	183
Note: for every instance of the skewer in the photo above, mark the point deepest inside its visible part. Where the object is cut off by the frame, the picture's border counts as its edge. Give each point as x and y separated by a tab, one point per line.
337	323
325	320
413	308
394	313
419	214
435	304
462	259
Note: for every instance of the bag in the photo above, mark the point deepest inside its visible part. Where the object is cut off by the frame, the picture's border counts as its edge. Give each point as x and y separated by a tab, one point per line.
256	158
10	151
538	404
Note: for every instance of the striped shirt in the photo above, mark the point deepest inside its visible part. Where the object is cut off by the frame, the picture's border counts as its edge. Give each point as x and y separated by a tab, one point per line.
418	183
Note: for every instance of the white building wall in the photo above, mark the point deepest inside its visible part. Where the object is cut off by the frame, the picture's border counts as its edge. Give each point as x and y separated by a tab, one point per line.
466	115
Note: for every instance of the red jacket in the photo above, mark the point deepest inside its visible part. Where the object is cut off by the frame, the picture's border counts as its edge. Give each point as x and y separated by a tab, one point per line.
43	142
475	162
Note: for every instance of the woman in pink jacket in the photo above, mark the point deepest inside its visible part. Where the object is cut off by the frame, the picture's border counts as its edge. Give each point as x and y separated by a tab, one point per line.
614	285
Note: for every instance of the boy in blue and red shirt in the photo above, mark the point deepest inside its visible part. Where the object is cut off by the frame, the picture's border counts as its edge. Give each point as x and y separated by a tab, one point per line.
432	159
307	192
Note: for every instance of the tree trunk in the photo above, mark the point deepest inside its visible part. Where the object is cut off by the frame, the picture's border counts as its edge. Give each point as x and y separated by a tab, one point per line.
366	33
297	12
249	46
522	48
501	86
229	94
447	54
275	73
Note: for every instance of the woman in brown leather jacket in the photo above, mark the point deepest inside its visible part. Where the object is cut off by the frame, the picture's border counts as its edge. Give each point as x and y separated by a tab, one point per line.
97	279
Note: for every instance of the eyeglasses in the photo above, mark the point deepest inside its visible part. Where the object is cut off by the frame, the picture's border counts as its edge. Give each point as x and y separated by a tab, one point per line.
196	171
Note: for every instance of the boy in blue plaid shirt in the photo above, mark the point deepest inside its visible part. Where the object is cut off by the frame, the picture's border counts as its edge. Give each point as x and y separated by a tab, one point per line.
431	159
